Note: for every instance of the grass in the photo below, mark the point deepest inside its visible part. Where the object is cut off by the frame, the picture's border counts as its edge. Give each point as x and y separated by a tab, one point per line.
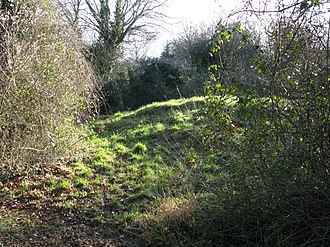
134	165
140	180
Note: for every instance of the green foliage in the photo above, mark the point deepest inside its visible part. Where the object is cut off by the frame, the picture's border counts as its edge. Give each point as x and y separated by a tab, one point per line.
82	169
139	148
114	23
259	176
190	54
51	183
268	130
65	184
134	85
81	182
158	81
179	72
45	85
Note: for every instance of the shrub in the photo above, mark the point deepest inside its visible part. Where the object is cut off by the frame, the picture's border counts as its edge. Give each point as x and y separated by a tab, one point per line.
158	81
135	84
268	143
271	136
45	84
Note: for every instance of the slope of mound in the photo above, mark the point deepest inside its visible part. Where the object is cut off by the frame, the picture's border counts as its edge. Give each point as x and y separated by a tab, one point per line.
131	162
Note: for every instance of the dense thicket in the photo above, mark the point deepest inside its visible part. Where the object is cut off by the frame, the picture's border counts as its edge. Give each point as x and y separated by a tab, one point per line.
45	84
267	127
139	83
180	71
190	54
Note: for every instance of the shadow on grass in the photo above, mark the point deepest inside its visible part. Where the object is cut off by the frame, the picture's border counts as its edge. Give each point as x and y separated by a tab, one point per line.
47	227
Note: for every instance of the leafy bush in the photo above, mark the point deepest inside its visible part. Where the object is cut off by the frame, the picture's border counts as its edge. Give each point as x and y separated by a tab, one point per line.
180	71
135	84
267	141
270	136
45	84
190	55
158	81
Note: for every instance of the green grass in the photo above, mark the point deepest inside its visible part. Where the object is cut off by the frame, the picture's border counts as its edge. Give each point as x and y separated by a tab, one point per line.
141	180
132	164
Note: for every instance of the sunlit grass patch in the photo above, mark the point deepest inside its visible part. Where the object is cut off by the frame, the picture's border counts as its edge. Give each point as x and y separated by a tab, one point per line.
99	142
172	218
120	148
65	204
139	148
24	184
129	162
81	182
158	127
103	155
82	169
64	184
51	183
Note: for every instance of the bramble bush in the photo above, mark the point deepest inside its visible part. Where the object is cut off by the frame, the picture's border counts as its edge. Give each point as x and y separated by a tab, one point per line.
269	132
46	85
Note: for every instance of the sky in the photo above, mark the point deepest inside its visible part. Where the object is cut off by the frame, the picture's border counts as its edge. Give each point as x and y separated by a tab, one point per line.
184	13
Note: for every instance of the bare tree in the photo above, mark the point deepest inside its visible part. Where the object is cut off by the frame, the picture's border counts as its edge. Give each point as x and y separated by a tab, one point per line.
114	23
72	10
114	20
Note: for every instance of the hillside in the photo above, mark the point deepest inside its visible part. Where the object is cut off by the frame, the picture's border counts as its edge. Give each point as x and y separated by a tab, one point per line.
135	168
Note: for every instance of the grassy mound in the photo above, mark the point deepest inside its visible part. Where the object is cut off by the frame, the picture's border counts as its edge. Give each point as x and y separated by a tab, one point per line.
135	165
145	179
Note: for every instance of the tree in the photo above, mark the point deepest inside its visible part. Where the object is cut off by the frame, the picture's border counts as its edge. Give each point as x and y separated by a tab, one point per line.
115	21
190	55
5	5
72	11
180	71
158	81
